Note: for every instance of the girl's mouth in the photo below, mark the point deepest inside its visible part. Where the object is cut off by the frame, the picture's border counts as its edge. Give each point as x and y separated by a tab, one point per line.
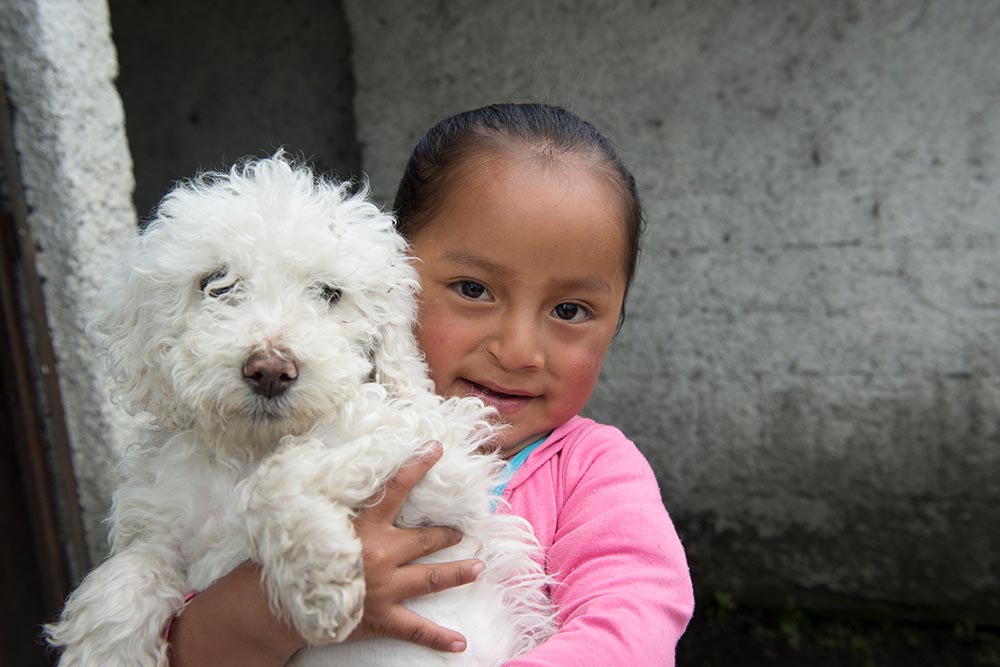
505	400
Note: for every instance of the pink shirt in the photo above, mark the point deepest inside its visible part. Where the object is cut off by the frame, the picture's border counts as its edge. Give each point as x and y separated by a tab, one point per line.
625	594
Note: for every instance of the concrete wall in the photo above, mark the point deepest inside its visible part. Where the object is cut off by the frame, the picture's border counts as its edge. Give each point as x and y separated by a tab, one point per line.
811	361
59	66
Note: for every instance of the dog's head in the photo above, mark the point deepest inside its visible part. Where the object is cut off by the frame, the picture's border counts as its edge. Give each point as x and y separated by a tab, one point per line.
259	301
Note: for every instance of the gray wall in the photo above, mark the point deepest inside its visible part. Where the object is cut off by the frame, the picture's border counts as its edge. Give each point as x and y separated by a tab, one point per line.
811	359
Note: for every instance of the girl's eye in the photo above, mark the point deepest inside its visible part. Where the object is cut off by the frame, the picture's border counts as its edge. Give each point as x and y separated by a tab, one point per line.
208	284
329	293
470	289
571	312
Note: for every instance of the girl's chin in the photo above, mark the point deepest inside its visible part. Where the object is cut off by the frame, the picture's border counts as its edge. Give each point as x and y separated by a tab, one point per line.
507	442
507	449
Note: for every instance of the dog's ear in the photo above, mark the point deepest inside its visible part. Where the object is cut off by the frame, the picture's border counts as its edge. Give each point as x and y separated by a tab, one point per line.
390	301
130	330
398	364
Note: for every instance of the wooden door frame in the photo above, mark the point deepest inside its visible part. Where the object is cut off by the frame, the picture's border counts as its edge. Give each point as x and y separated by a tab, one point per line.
30	391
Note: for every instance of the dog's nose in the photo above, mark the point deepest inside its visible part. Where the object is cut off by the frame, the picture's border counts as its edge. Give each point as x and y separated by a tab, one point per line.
268	374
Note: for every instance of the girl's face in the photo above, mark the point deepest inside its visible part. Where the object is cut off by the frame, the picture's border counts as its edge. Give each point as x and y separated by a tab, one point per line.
523	277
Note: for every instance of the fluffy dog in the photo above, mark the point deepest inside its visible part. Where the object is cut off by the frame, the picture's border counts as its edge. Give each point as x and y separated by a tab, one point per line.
263	319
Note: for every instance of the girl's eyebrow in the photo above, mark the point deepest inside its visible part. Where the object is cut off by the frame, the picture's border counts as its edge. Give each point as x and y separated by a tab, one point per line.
476	261
589	284
583	285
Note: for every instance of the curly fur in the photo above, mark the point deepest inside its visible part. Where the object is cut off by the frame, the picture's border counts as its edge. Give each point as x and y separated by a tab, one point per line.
269	260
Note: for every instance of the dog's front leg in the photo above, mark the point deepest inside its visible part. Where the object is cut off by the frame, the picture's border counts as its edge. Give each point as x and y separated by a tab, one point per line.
116	617
306	546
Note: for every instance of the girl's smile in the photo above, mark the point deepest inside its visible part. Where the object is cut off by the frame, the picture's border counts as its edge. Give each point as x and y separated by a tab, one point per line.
523	277
507	401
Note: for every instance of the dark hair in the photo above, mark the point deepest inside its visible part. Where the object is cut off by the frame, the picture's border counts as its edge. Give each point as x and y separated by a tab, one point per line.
548	131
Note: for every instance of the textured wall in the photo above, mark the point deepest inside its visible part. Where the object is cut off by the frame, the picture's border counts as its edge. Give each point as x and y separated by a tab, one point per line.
59	66
811	360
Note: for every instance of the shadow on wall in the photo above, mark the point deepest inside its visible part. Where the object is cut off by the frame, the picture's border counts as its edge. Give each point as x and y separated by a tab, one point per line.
204	85
824	512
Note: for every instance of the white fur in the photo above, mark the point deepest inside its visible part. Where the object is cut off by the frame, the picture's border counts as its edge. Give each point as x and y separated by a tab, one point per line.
236	264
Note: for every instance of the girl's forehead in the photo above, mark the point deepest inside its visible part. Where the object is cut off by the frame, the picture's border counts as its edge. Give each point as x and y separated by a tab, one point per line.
530	219
531	184
530	157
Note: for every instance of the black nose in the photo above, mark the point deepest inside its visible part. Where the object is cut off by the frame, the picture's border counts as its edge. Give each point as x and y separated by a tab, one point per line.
268	374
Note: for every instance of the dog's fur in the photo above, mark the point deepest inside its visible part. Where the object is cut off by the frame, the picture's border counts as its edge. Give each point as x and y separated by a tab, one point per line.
267	262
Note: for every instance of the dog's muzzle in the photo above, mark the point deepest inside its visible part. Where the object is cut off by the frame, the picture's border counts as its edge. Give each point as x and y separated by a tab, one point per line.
268	374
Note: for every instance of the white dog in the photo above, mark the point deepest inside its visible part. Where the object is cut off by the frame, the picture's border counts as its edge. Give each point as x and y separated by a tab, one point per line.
266	306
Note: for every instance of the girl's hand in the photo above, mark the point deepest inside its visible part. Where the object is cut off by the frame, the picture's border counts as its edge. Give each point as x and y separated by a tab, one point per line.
389	576
230	623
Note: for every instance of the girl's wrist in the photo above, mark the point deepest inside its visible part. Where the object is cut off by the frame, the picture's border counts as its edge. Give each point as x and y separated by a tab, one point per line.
230	624
170	622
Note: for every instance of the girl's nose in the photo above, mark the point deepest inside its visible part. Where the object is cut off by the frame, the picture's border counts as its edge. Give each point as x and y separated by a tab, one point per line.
516	344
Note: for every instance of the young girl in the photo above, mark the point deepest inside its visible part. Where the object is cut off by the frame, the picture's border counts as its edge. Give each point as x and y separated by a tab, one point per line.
525	226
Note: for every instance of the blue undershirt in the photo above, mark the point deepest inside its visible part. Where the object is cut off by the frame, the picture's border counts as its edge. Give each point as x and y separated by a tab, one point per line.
513	464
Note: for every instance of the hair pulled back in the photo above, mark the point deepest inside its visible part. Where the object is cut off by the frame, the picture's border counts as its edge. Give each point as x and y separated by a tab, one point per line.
549	132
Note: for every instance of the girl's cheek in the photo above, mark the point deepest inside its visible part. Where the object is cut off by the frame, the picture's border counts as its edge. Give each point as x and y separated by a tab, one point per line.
437	334
429	320
586	365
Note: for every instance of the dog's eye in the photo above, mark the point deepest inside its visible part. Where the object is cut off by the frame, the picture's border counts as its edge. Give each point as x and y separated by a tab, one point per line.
208	283
329	293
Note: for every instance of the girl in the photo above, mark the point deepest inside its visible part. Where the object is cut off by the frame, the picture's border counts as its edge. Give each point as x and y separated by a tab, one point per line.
525	226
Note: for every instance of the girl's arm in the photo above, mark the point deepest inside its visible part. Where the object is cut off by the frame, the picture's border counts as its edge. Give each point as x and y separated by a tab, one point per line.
230	623
625	594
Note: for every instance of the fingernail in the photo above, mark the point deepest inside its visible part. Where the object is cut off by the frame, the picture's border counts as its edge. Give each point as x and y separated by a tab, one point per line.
478	568
457	647
433	447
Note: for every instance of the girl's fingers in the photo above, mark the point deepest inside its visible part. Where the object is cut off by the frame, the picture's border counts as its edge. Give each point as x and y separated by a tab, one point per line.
420	579
398	488
389	579
402	623
386	548
414	543
411	627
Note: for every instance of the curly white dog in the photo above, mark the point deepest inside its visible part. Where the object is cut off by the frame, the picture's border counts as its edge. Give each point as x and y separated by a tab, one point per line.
263	306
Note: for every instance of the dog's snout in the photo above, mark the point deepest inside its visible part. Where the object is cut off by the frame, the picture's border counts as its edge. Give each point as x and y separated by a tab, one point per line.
268	374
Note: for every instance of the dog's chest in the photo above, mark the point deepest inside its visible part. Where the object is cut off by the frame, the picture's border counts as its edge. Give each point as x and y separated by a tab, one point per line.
216	540
204	498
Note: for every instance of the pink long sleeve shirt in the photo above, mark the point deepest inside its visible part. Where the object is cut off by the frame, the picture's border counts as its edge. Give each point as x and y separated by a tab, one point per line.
624	595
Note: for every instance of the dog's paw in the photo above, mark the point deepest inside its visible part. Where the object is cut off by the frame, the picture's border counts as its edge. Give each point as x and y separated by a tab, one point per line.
324	601
305	542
